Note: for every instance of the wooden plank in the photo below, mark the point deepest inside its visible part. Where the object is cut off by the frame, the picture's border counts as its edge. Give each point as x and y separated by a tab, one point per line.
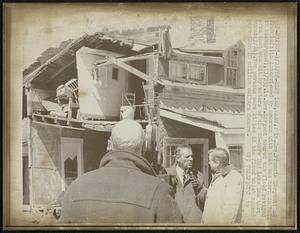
29	98
205	163
187	50
137	57
231	67
61	70
126	59
180	56
101	128
58	126
134	71
62	121
105	126
30	162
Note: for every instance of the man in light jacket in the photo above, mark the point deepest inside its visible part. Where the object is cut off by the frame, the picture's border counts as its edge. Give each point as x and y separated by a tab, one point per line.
224	194
124	189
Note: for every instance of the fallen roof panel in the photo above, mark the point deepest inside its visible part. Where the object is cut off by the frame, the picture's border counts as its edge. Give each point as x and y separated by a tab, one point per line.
216	122
195	87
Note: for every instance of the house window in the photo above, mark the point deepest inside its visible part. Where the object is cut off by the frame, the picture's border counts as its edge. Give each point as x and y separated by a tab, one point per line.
236	156
231	77
169	156
115	72
178	70
185	72
71	168
100	74
197	72
231	68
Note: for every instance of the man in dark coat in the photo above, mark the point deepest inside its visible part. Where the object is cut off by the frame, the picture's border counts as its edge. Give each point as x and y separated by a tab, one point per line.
124	189
190	192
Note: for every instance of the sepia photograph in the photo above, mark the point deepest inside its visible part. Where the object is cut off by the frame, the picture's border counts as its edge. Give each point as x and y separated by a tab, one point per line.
169	116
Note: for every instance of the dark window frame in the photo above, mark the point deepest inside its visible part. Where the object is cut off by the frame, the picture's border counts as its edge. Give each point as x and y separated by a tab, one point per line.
115	74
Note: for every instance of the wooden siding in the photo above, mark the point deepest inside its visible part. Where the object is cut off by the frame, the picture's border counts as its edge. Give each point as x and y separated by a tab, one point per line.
46	158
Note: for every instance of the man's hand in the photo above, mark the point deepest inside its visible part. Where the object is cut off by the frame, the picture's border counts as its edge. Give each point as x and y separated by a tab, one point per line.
196	183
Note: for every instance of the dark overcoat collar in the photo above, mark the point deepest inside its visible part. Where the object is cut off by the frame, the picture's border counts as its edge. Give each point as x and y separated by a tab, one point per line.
127	159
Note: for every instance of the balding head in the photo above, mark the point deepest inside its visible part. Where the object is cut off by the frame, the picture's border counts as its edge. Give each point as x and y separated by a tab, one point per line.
219	155
128	135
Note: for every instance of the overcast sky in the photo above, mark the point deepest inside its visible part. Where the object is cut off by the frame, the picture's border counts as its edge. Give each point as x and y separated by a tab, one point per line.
42	26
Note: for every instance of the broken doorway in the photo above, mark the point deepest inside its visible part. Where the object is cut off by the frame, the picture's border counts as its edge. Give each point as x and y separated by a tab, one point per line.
71	160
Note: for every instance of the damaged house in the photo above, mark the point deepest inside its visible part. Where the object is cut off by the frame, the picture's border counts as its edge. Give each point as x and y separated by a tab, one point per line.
180	96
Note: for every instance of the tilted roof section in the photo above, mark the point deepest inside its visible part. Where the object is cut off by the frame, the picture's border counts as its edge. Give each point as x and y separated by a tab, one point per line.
226	123
191	87
216	106
188	106
64	56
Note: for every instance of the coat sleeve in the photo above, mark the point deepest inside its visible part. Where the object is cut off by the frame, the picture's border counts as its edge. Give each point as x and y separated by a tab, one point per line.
200	198
166	208
232	197
66	211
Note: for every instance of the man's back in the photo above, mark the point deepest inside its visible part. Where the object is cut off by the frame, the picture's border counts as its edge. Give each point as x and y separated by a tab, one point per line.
123	190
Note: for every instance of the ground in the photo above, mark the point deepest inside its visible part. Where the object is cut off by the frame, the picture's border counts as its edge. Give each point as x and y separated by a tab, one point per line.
40	216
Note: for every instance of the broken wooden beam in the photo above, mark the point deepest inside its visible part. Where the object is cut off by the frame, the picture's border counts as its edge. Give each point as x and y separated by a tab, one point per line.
134	71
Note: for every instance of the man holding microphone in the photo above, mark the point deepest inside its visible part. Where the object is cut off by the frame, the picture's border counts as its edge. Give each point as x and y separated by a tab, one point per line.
190	192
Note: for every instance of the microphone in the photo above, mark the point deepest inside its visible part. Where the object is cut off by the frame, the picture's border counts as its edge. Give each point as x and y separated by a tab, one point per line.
192	177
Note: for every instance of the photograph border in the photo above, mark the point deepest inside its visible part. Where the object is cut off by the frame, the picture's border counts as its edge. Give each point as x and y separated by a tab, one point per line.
9	117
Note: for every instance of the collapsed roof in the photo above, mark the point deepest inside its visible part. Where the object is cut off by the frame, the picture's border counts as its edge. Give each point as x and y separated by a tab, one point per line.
57	65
